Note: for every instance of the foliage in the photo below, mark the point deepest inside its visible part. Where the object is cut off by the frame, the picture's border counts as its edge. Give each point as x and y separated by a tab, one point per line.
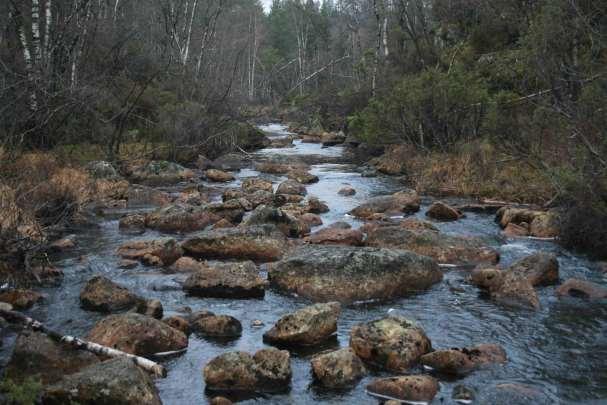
25	393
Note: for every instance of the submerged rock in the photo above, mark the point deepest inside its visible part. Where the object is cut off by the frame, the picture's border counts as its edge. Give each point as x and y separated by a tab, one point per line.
37	356
137	334
269	370
227	280
463	361
307	326
338	369
116	381
348	274
258	243
404	202
581	288
405	388
443	248
391	343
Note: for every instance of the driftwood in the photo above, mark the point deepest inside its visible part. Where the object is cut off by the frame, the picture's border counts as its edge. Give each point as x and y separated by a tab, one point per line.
16	317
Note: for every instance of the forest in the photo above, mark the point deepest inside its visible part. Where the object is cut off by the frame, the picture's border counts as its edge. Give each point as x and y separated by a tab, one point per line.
204	123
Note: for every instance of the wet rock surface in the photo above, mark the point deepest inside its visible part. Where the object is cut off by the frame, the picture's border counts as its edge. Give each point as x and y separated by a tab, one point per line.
226	280
338	369
463	361
405	388
349	274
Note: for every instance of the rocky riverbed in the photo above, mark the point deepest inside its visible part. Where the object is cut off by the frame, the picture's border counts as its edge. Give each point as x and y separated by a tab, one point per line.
294	276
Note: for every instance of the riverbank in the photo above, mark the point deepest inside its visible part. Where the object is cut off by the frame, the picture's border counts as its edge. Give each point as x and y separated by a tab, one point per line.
378	212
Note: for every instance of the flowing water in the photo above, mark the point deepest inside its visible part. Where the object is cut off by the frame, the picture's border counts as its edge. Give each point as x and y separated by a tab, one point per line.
560	351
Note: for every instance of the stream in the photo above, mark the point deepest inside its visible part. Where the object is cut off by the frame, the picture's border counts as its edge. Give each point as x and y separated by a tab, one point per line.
559	351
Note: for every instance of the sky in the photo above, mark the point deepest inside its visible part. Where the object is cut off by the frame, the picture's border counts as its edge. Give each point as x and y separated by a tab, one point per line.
266	4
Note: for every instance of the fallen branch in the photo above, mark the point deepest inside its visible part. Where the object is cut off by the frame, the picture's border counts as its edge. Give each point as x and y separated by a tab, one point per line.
148	365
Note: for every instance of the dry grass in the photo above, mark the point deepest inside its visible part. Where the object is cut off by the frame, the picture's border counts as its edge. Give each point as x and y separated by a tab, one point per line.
471	170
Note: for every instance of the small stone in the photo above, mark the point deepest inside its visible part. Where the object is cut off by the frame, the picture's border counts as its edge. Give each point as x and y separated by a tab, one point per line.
208	324
20	298
347	191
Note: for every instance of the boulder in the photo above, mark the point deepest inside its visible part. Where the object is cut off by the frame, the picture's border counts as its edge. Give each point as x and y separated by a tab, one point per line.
463	361
286	223
540	268
156	173
254	184
286	142
542	224
581	288
311	219
348	274
281	166
37	356
20	298
204	163
132	224
307	326
206	323
315	206
218	176
137	334
443	248
179	323
261	197
332	138
506	287
269	370
338	369
415	224
392	343
443	212
258	243
516	230
103	295
223	223
405	202
231	162
188	265
181	218
127	264
138	195
151	308
411	388
192	197
347	191
159	252
291	187
336	236
116	381
232	210
220	401
303	177
101	169
227	280
545	225
232	193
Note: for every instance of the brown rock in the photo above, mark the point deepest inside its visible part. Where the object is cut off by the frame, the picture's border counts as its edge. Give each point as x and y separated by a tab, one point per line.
252	185
137	334
405	388
347	191
338	369
218	176
208	324
220	401
311	219
181	218
514	230
391	343
285	222
539	268
462	361
302	177
315	206
103	295
443	212
307	326
188	265
167	251
179	323
134	223
291	187
336	236
128	264
20	298
406	202
227	280
581	288
506	287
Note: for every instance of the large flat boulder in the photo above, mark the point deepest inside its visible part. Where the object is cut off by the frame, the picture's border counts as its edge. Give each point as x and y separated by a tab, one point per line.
348	274
226	280
116	381
180	218
404	202
443	248
157	252
258	243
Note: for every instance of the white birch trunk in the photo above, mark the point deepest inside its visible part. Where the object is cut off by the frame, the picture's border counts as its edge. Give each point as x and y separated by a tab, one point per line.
48	20
36	32
29	68
189	38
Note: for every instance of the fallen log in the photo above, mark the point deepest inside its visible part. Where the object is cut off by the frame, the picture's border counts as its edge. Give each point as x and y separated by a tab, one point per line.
150	366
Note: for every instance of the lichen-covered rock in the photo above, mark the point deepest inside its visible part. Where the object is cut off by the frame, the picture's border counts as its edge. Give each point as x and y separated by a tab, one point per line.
348	274
137	334
160	252
307	326
258	243
302	177
269	370
506	287
179	323
218	176
336	236
103	295
254	184
116	381
542	224
227	280
157	173
101	169
291	187
206	323
443	212
133	224
414	388
540	268
311	219
36	356
443	248
181	218
338	369
391	343
405	202
188	265
286	223
463	361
